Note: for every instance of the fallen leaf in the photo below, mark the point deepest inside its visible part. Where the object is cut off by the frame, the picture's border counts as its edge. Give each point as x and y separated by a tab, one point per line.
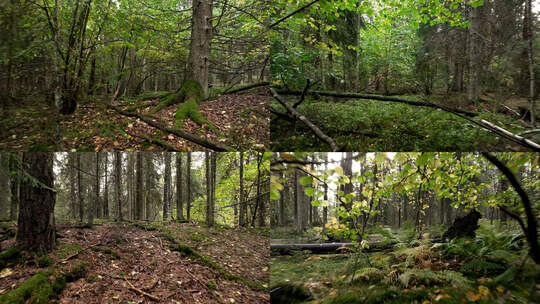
6	273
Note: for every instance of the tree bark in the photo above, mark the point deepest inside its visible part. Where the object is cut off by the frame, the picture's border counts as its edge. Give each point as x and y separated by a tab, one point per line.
80	190
106	194
36	225
167	185
199	49
243	206
15	186
179	197
188	187
118	180
139	188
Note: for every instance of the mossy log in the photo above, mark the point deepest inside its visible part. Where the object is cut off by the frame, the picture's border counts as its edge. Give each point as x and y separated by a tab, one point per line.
325	248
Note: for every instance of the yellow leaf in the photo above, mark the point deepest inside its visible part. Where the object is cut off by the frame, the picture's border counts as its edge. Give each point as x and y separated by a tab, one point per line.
426	302
483	290
500	288
115	143
473	297
6	273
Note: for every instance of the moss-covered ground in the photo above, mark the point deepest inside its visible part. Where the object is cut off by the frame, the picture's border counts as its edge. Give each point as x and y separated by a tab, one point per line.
492	268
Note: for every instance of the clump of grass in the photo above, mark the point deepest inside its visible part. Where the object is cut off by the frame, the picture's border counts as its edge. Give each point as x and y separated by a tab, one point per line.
44	261
211	285
10	255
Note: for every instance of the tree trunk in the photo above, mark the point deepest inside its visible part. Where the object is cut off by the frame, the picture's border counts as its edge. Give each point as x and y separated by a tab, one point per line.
188	187
130	176
179	198
167	185
36	225
139	188
243	206
199	49
72	193
118	180
4	185
15	186
529	37
473	90
106	194
260	201
80	189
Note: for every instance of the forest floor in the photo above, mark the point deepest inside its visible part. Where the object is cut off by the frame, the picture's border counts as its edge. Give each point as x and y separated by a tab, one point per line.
242	121
150	262
492	268
370	125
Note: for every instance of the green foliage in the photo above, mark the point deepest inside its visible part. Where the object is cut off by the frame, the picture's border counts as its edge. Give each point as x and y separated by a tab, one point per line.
211	285
65	250
288	293
479	267
364	125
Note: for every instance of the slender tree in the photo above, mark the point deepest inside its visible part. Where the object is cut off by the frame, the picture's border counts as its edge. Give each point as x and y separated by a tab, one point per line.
139	188
179	198
167	185
117	182
243	203
188	187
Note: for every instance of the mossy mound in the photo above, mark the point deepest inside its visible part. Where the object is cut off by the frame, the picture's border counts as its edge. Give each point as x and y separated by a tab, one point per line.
190	95
12	254
289	294
38	290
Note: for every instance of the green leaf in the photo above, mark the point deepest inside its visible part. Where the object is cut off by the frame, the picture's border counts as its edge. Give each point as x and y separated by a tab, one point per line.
309	191
274	194
306	180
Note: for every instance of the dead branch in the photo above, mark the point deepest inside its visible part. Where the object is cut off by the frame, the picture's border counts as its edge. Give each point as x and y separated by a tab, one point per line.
142	292
246	87
158	125
303	96
516	138
301	117
79	252
154	141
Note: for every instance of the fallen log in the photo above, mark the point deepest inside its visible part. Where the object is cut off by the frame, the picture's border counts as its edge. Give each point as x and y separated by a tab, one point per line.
306	121
193	138
507	133
246	87
154	141
381	98
326	248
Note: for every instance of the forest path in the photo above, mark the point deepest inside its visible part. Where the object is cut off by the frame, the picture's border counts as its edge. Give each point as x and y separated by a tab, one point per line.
123	262
240	251
242	119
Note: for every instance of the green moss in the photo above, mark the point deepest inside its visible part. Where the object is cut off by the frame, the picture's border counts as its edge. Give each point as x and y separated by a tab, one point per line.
12	254
44	261
65	250
211	285
76	272
38	290
107	251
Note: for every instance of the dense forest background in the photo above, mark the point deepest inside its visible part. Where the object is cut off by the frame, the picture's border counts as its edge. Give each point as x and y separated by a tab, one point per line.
477	59
152	186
